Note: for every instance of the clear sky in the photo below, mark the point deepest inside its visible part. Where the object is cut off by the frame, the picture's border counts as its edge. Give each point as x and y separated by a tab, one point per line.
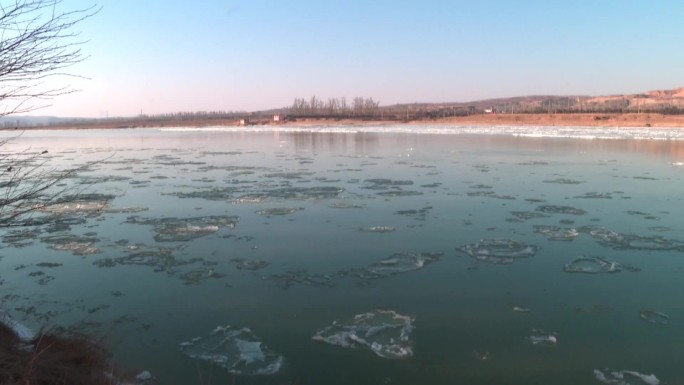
159	56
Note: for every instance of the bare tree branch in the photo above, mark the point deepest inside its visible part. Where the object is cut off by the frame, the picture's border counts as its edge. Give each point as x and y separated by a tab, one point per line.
27	183
37	42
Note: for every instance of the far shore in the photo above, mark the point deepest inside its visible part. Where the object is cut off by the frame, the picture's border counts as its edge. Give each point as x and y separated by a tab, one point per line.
568	120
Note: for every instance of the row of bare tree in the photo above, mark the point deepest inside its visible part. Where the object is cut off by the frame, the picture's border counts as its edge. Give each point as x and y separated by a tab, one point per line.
334	107
190	115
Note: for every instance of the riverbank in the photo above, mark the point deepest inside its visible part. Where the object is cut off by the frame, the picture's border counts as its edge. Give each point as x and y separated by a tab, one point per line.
510	120
565	120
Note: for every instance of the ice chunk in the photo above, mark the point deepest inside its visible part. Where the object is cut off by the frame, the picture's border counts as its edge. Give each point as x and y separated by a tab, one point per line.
525	215
243	264
625	377
279	211
401	263
499	251
185	229
24	333
552	209
595	265
76	244
542	338
521	309
237	350
144	376
654	317
399	193
555	233
620	241
563	181
343	205
385	183
378	229
385	332
249	199
79	204
213	194
289	278
306	193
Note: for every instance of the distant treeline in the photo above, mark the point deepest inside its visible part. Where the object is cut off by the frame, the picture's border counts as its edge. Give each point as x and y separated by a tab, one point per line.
368	108
197	115
584	105
334	107
362	108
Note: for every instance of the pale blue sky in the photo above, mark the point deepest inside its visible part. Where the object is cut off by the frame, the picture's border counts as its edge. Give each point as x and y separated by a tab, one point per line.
160	56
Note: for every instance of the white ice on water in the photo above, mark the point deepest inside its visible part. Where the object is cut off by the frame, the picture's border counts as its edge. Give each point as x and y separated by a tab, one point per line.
385	332
237	350
650	133
24	333
625	377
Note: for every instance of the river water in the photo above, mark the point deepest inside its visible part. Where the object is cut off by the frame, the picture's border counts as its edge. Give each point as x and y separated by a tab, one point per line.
475	256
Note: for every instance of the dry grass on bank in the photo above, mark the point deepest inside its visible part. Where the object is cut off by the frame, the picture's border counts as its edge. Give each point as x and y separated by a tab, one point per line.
52	360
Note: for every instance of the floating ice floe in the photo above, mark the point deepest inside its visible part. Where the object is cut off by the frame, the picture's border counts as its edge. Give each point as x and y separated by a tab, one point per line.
249	199
322	192
555	233
520	309
237	350
643	215
279	211
343	205
378	229
194	277
621	241
214	194
401	263
77	248
79	204
596	265
595	195
288	175
22	332
76	244
603	235
399	193
654	317
542	338
625	377
161	259
499	251
384	184
185	229
243	264
485	191
289	278
144	377
551	209
20	238
419	214
525	215
385	332
482	356
563	181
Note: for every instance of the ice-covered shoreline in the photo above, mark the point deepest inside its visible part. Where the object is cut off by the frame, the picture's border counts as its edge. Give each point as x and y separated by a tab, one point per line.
578	132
